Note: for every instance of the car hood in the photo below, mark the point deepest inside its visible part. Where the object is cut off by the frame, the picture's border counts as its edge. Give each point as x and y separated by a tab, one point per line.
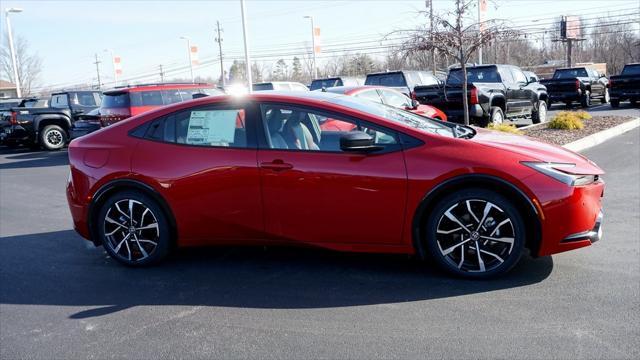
537	150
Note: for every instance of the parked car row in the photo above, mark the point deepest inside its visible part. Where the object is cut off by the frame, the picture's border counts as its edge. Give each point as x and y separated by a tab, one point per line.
496	94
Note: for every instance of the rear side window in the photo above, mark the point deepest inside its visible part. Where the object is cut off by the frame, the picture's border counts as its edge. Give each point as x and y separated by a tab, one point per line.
325	83
391	79
146	98
261	87
117	100
201	127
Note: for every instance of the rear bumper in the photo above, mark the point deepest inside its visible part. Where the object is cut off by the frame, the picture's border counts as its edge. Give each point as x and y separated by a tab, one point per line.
565	96
475	112
624	95
16	134
81	128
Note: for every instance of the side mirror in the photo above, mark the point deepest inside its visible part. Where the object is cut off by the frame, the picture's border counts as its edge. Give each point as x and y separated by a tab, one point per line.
532	80
358	141
415	103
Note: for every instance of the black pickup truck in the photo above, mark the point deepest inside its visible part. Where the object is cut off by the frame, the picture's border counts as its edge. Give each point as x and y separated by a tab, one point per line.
495	92
625	86
580	84
48	127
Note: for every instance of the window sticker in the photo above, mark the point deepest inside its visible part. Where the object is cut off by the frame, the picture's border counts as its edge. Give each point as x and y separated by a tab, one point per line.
214	128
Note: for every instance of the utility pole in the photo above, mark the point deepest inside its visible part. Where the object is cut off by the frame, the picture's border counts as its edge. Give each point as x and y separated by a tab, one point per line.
247	56
14	61
219	41
98	71
161	74
569	46
566	33
433	50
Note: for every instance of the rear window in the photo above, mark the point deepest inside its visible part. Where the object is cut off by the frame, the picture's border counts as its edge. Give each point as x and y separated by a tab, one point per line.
118	100
392	79
325	83
570	73
631	70
261	87
483	74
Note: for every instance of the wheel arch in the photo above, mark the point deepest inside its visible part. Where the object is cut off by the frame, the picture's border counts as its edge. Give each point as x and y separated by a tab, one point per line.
499	101
522	202
116	186
61	121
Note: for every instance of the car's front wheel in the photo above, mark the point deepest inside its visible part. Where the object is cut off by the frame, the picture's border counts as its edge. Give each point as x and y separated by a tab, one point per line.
133	228
475	233
540	115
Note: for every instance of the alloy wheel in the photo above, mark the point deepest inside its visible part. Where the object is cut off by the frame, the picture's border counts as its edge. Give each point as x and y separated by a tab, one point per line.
542	111
497	118
54	137
131	230
607	98
475	235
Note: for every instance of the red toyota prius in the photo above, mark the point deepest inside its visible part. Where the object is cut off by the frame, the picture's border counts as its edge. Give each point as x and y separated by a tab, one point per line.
260	169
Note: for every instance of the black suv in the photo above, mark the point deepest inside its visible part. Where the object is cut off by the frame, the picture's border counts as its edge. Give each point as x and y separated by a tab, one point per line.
48	127
495	92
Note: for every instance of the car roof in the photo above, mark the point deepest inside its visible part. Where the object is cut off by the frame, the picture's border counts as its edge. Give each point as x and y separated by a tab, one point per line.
75	91
354	88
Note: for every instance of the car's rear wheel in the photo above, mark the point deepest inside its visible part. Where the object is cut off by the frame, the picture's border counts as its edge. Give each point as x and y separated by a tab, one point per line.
540	115
606	98
475	233
133	228
52	137
585	101
615	103
497	116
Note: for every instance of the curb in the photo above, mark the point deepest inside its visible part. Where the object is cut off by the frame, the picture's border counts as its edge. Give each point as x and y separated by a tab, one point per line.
602	136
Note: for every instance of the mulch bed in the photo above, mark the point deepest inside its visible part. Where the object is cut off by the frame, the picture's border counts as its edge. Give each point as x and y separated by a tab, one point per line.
563	137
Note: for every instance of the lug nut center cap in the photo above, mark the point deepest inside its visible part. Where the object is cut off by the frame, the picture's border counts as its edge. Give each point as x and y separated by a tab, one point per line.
475	236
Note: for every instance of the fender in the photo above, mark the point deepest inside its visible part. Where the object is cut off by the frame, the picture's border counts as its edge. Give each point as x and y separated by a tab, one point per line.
497	96
40	118
105	190
459	180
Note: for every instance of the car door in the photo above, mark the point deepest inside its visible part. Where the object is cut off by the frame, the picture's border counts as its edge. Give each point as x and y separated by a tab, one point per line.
525	94
207	171
314	193
511	91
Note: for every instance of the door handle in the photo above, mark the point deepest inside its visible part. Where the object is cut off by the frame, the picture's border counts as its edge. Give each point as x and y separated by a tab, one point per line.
276	165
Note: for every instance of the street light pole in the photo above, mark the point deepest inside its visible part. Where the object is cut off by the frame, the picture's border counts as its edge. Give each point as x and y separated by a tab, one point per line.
190	59
247	58
14	60
313	46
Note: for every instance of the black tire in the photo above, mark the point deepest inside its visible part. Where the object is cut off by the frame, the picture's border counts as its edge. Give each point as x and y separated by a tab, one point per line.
52	138
509	248
122	240
496	116
633	102
568	104
605	98
615	103
585	101
539	116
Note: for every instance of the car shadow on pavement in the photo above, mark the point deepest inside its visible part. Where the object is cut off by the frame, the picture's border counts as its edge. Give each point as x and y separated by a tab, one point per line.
59	268
33	159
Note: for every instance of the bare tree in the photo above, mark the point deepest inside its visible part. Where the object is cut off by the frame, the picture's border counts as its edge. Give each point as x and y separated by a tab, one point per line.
29	64
457	34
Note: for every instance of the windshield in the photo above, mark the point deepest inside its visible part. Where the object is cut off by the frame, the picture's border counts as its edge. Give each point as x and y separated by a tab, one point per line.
478	74
631	70
570	73
325	83
391	79
396	115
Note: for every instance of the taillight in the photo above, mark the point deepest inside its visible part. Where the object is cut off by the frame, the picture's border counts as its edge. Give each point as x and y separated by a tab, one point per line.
473	97
14	118
577	84
610	83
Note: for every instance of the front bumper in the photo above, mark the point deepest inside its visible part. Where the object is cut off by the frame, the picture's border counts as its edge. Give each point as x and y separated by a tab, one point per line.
592	235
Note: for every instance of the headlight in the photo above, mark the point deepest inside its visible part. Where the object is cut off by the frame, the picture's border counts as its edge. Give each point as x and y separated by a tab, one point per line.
554	170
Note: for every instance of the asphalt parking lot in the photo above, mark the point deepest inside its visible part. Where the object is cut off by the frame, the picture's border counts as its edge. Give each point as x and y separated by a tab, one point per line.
62	298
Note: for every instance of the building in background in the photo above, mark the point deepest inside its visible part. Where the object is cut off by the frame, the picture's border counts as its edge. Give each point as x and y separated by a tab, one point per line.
7	90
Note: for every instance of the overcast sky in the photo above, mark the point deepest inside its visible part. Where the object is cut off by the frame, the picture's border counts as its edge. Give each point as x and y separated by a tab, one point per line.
67	34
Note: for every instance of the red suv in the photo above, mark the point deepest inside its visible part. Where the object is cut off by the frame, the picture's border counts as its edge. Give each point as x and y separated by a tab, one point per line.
124	102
